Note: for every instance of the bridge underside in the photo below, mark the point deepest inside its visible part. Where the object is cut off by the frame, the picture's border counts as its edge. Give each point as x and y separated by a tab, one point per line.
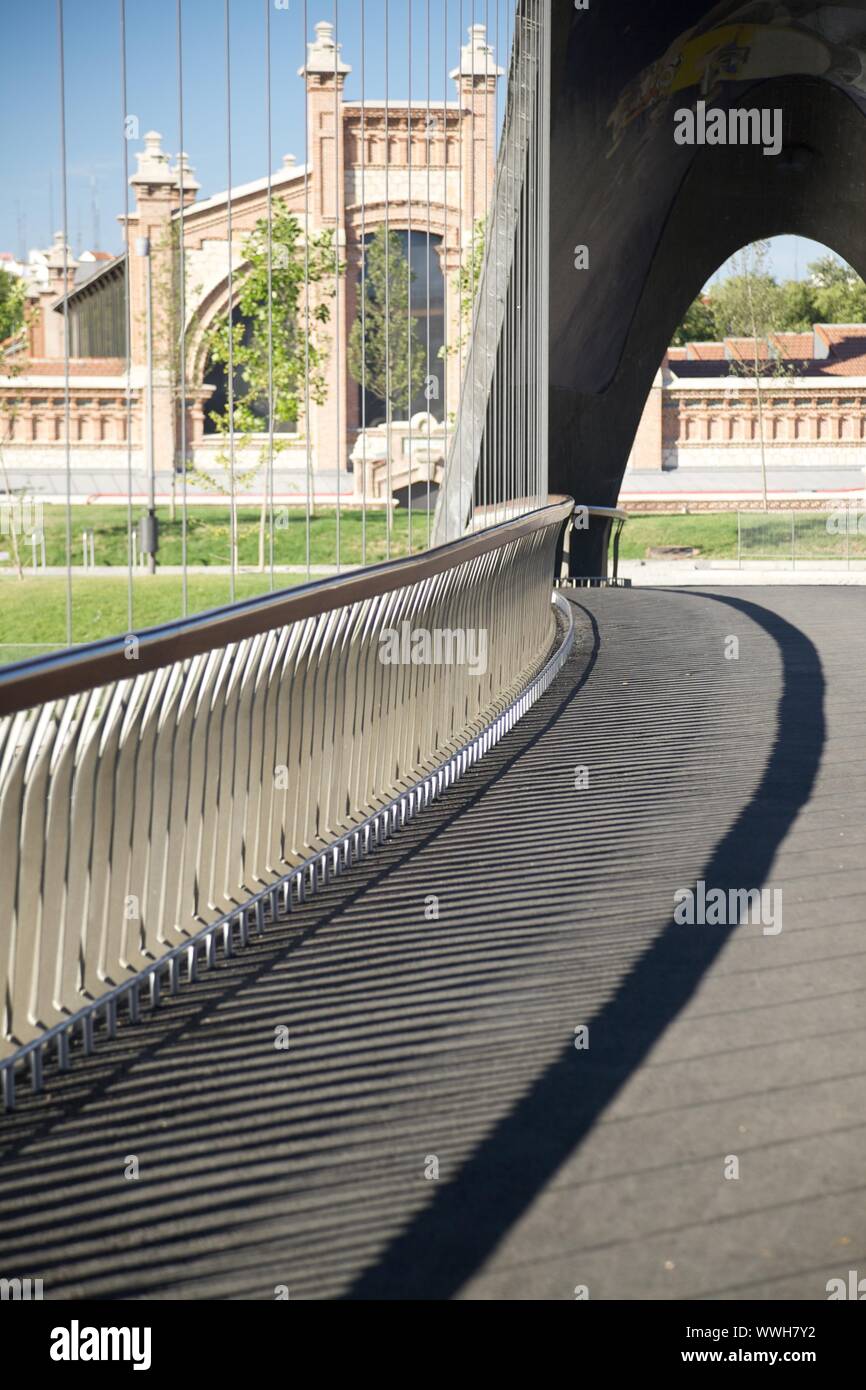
658	218
410	1038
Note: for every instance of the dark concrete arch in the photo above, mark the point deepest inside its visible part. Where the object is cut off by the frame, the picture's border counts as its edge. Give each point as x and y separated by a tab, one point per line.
659	218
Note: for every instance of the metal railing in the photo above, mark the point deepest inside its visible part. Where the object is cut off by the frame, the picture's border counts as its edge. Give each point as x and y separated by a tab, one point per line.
832	536
499	447
604	525
164	787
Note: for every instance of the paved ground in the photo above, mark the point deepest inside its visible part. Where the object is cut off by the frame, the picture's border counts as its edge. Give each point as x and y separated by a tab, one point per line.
412	1038
692	481
711	573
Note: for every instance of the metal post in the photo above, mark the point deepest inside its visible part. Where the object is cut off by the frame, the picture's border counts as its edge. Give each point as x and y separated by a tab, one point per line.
848	536
151	480
143	249
544	266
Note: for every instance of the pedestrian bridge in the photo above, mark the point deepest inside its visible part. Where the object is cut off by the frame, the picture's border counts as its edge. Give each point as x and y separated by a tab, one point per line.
429	1129
336	968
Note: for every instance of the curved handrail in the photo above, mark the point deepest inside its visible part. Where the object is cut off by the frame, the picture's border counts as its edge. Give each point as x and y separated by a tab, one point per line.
615	513
612	520
155	789
76	669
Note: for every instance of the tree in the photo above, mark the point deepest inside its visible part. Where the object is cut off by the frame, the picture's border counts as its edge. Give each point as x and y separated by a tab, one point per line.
833	293
385	355
750	304
10	369
285	351
699	324
467	282
749	291
797	306
747	306
14	314
11	304
839	293
466	285
827	272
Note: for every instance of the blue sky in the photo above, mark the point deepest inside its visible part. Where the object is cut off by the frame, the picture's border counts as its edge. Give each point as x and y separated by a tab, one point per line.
789	257
30	106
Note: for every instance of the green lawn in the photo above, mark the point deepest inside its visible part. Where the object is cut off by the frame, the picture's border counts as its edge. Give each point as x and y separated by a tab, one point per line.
714	534
208	536
33	611
764	535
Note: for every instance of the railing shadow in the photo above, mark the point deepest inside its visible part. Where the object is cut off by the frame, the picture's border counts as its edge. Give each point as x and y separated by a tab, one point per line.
255	1171
523	1152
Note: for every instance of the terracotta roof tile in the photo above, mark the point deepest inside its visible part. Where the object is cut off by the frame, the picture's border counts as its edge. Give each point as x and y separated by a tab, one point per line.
705	352
853	364
743	349
795	344
847	343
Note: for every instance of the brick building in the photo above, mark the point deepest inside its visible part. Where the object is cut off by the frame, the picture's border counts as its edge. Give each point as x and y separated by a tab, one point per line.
426	169
702	410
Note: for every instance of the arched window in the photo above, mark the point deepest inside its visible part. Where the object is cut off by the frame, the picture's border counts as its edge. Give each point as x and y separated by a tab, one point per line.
427	306
216	375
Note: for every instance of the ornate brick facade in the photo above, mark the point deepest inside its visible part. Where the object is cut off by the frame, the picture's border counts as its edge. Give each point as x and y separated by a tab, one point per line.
425	169
703	410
